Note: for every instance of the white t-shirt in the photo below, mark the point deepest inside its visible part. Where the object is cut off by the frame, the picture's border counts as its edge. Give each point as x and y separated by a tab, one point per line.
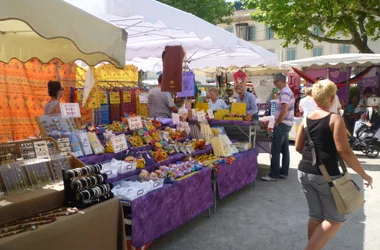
307	105
336	105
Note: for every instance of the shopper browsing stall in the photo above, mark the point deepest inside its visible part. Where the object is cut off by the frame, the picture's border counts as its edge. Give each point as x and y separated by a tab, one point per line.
215	102
245	97
160	103
283	123
362	106
307	104
55	91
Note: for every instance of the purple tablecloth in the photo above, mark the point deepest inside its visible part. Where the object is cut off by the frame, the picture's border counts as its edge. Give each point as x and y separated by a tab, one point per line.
225	122
232	177
167	208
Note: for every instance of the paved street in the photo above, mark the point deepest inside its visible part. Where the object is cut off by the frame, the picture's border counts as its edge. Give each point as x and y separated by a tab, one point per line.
273	216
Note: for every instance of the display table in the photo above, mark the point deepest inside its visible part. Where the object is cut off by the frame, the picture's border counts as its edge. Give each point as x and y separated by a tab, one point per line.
93	159
100	227
235	176
238	130
165	209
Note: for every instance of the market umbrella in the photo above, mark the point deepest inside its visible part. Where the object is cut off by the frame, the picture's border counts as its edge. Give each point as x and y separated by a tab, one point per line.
54	29
152	25
335	61
249	70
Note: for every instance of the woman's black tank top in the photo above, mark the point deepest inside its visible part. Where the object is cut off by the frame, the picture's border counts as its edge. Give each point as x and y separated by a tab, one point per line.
323	139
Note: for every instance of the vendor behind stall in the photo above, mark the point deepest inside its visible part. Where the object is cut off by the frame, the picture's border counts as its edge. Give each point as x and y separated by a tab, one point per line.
215	102
160	103
362	106
243	96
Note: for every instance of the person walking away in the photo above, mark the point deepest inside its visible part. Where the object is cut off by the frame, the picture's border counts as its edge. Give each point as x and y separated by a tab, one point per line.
242	96
160	104
324	219
307	104
215	102
284	117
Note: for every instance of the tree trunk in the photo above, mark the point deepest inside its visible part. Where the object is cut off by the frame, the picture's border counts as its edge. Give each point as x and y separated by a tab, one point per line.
362	46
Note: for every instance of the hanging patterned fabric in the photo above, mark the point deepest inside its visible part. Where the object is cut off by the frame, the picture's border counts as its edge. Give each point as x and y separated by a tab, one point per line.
142	108
128	105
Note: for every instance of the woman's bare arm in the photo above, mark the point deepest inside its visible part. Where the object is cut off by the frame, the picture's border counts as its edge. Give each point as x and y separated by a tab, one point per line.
300	139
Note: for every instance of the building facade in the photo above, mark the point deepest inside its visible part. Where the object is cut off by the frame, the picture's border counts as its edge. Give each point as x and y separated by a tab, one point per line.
260	34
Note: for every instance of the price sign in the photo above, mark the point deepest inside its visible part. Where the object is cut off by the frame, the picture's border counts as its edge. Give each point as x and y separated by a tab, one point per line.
127	96
80	95
114	97
176	119
201	116
70	110
210	114
135	123
103	98
143	98
119	143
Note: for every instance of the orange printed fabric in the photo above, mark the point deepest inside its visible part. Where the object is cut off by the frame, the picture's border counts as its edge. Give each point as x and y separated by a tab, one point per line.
23	94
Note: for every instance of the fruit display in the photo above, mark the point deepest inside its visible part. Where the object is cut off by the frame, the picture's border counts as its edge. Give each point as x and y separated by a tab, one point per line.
176	135
156	123
108	148
160	155
136	141
226	115
174	171
116	127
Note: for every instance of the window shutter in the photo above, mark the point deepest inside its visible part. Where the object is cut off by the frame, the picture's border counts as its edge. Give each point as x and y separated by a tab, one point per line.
267	32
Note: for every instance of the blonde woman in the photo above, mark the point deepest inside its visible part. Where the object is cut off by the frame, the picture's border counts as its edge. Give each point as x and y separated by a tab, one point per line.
215	103
324	218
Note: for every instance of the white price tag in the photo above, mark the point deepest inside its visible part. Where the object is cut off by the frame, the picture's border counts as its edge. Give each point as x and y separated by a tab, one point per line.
70	110
210	114
135	123
143	98
201	116
176	119
119	143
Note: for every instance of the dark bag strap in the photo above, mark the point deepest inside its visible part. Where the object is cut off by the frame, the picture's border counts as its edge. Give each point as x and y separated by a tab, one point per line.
322	168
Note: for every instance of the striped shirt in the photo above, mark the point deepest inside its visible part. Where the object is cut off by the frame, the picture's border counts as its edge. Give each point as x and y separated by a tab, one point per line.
285	96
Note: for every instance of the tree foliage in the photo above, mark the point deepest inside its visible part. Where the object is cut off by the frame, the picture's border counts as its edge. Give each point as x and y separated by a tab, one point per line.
212	11
339	21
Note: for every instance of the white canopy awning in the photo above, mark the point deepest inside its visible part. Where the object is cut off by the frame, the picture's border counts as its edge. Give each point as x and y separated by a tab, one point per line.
335	61
211	59
49	29
151	25
250	71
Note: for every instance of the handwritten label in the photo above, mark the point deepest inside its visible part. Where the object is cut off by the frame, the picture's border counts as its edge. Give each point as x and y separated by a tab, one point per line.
176	119
201	116
143	98
114	97
103	98
127	96
70	110
210	114
119	143
80	95
135	123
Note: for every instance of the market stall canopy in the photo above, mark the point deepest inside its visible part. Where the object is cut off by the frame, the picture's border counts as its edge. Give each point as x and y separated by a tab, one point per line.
250	71
152	25
335	61
54	29
247	55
